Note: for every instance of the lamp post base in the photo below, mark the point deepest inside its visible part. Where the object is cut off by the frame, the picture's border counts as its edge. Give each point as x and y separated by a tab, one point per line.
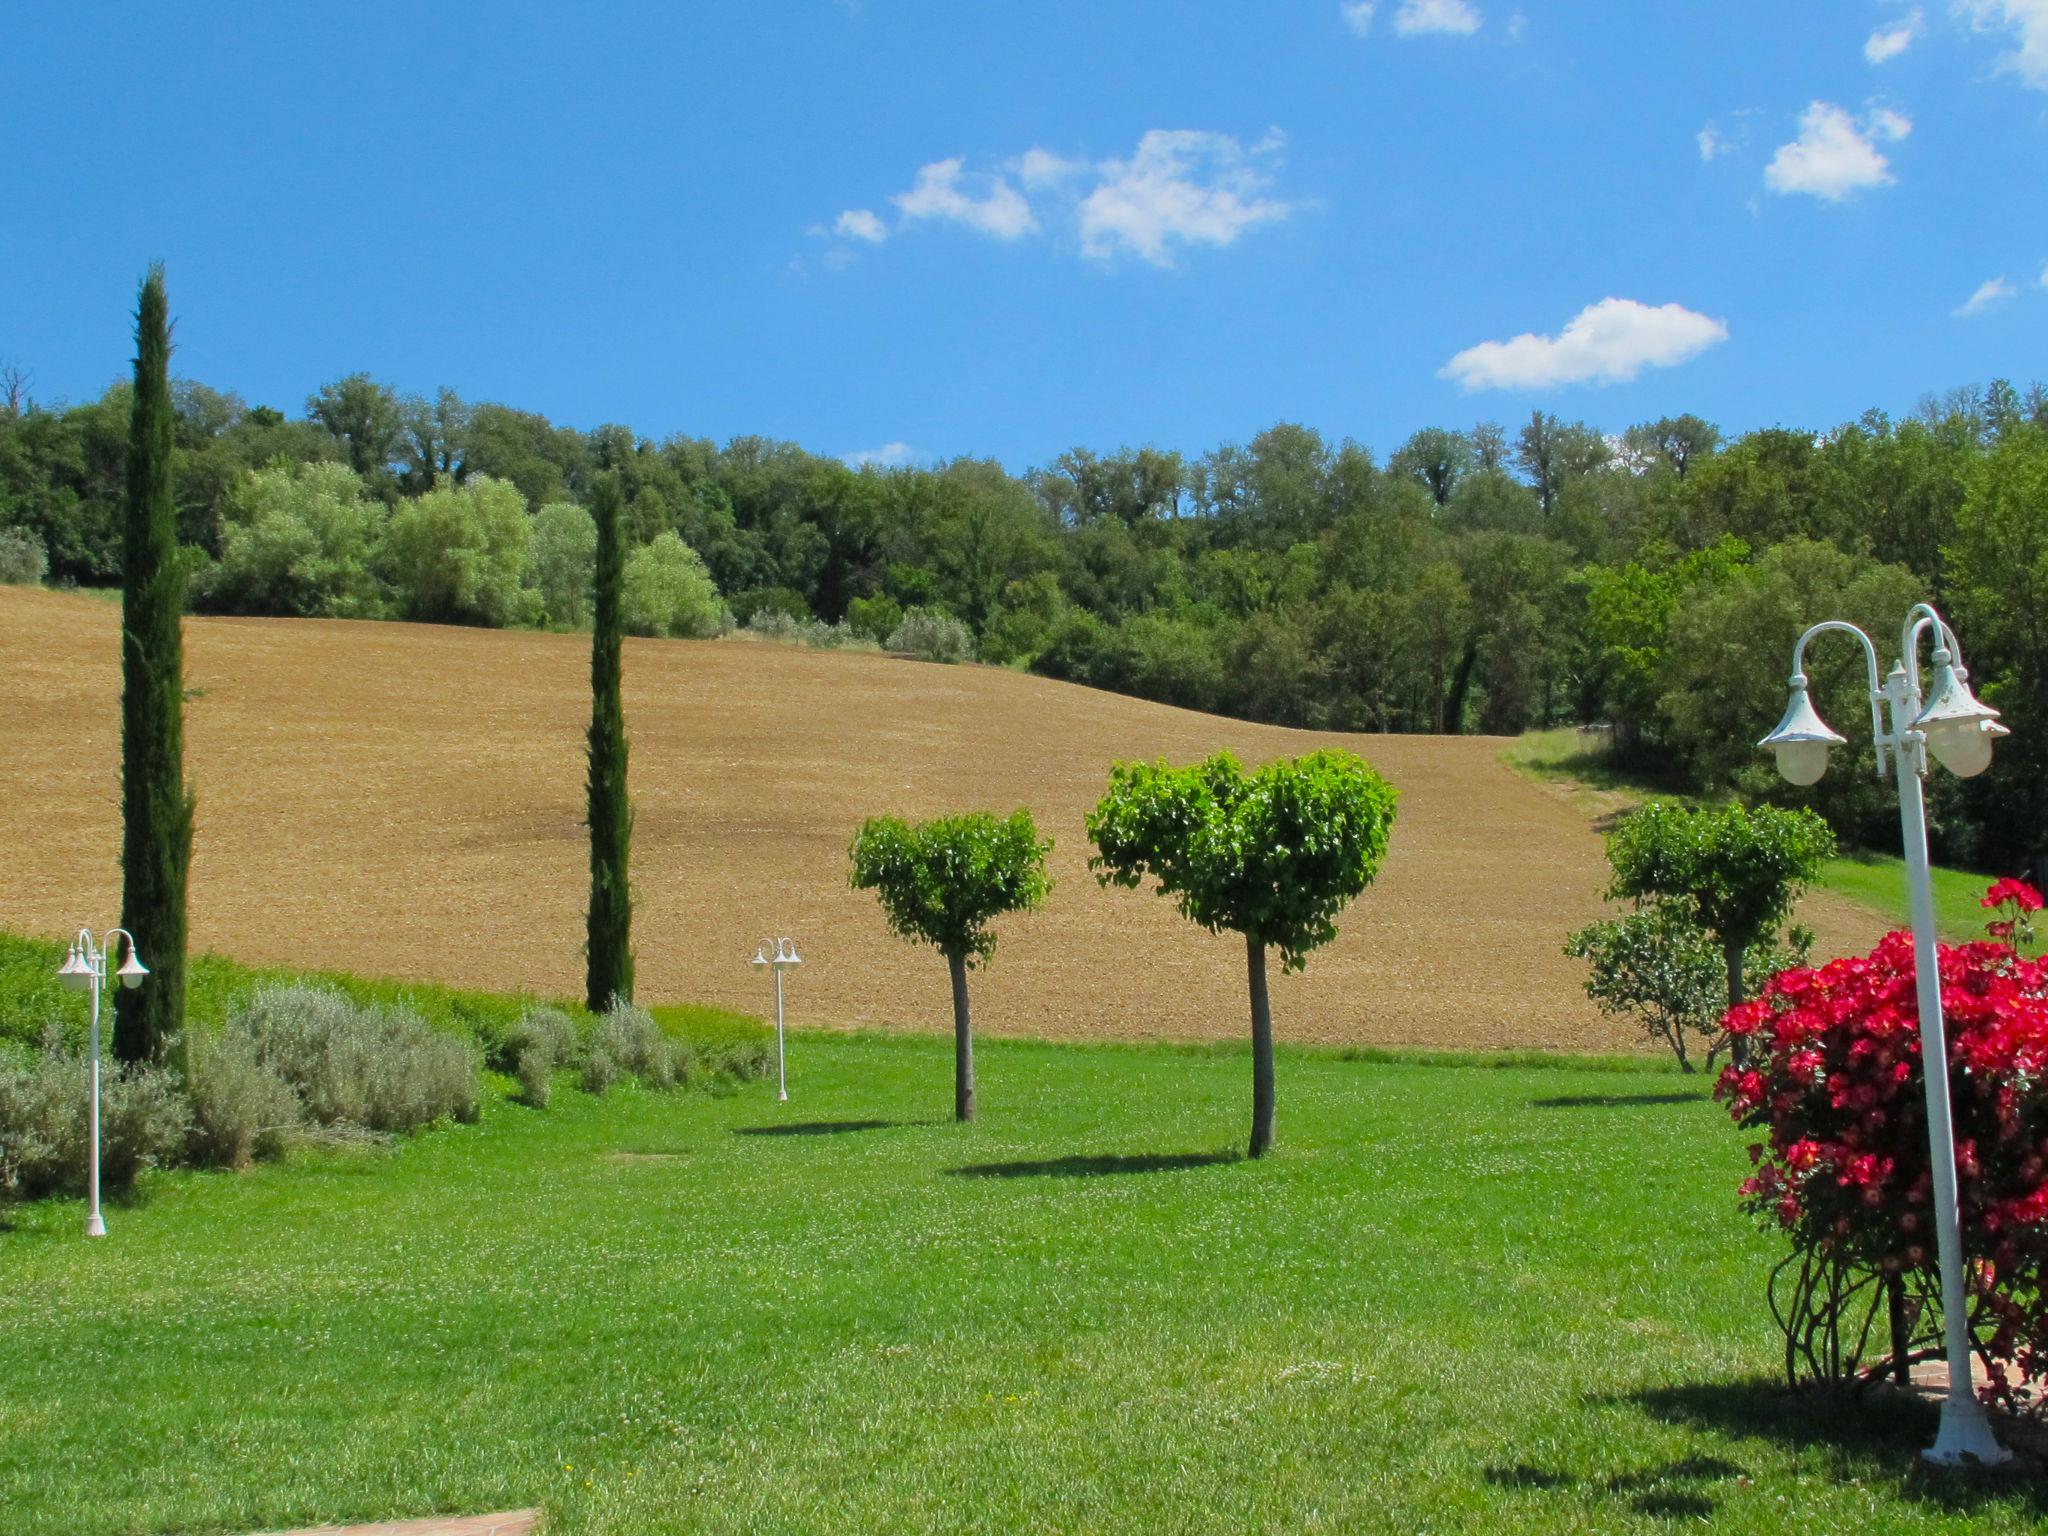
1965	1438
94	1227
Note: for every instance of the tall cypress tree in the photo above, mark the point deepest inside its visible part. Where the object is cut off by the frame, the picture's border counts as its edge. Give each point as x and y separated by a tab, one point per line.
610	944
156	802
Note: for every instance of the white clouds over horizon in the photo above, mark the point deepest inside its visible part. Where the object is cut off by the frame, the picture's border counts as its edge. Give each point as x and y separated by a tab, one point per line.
1421	18
1605	343
1180	187
2027	23
1989	295
1457	18
1835	156
1887	43
888	456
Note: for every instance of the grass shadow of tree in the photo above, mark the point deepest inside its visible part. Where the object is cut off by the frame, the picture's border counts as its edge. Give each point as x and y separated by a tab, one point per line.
1674	1491
825	1127
1614	1100
1871	1435
1083	1166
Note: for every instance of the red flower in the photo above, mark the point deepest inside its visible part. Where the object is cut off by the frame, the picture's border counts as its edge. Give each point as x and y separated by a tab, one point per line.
2018	892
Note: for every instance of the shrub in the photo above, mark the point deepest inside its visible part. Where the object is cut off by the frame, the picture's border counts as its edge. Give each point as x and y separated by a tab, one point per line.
44	1125
931	635
600	1071
667	591
297	541
543	1039
383	1069
629	1039
564	551
457	554
874	618
242	1108
23	562
757	602
1835	1084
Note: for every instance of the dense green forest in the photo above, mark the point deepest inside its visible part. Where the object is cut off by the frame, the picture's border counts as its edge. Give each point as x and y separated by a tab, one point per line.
1482	580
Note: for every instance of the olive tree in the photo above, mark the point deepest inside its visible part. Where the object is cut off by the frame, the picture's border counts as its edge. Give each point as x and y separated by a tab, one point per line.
941	883
1274	855
1736	869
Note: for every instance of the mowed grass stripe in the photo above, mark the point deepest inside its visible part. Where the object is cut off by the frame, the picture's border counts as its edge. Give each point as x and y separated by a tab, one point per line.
1455	1299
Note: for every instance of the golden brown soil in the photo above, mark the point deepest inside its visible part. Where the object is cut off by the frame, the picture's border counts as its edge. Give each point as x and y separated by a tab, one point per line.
404	800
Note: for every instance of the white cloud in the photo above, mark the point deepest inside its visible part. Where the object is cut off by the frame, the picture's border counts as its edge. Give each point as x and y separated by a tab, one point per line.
1605	343
2044	274
1989	295
1358	15
1834	155
1038	168
1181	185
860	224
1459	18
1712	144
2027	22
888	456
999	211
1887	43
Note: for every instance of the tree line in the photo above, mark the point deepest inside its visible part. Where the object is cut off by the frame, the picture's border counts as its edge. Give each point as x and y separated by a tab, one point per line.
1484	579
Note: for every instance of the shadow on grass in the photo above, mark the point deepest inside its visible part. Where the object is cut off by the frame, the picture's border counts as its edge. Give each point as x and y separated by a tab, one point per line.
1675	1491
824	1127
1079	1167
1613	1100
1869	1435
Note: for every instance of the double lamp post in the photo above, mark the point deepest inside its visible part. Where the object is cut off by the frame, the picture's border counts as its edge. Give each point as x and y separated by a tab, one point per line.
1957	731
85	968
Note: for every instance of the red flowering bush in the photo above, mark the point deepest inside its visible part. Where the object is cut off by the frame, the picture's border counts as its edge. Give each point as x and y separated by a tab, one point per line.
1834	1080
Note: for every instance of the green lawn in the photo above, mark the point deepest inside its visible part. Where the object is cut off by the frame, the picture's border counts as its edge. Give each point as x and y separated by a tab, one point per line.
1456	1299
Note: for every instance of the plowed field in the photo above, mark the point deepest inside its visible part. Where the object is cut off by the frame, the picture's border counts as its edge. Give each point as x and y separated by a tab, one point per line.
406	801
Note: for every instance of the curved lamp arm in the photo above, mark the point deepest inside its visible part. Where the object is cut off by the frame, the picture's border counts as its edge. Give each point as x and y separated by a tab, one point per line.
1877	731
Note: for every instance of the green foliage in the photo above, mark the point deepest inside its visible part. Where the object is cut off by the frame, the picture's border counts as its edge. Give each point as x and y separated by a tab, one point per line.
1274	855
749	605
1739	869
1659	967
156	801
942	882
668	592
608	947
44	1131
297	541
242	1107
930	635
23	562
564	553
874	618
457	555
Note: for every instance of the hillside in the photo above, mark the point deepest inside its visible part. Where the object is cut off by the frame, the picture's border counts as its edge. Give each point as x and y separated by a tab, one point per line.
407	801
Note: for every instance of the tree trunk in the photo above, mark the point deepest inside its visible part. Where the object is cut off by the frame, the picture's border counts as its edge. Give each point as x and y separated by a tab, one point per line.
1731	951
963	1042
1453	722
1262	1048
156	802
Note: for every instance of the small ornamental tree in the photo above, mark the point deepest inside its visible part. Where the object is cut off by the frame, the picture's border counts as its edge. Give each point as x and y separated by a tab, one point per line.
941	883
608	946
1737	869
156	800
1274	855
1835	1087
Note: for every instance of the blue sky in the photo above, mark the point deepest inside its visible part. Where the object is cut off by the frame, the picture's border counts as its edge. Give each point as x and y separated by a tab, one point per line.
1005	230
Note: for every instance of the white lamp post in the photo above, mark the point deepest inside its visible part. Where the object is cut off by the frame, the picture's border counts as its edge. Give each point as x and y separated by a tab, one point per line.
1959	732
784	957
85	968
